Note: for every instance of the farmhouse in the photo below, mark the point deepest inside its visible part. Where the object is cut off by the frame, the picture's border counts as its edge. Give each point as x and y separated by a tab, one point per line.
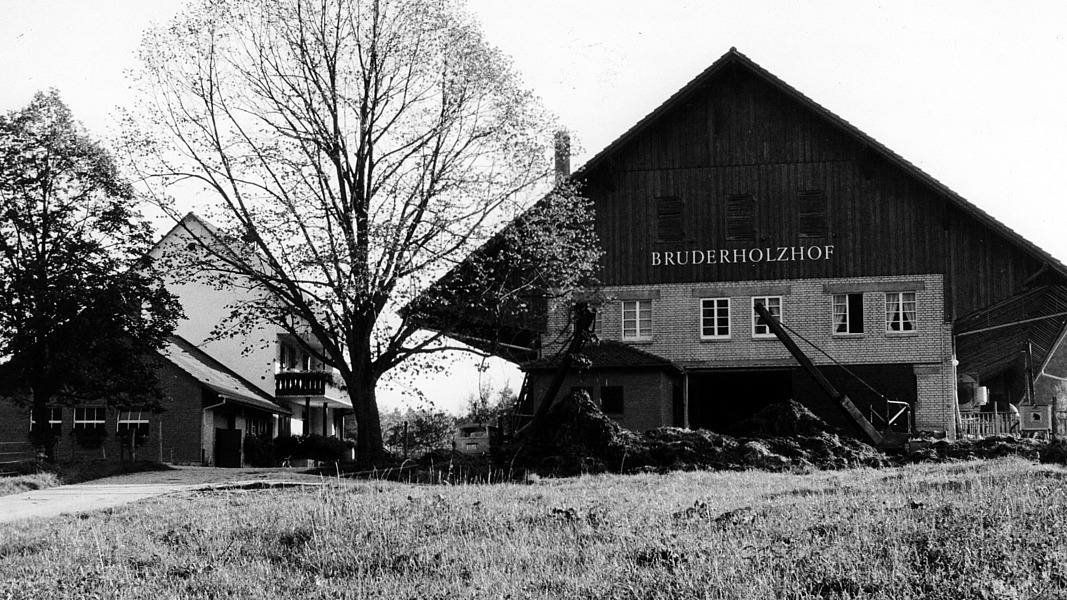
739	190
218	391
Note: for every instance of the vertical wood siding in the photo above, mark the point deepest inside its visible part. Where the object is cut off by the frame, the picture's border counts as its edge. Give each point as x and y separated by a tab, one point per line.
740	135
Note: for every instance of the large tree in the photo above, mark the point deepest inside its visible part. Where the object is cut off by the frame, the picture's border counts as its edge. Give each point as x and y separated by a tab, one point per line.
80	310
356	150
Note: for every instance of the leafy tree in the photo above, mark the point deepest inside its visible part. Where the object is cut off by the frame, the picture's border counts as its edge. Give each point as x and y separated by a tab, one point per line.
427	430
489	405
79	307
356	150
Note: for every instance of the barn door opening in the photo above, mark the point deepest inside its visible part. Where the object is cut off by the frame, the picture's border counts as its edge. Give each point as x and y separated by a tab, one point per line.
719	399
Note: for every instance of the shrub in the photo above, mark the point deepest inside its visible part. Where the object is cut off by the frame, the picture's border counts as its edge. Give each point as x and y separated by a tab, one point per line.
259	452
313	447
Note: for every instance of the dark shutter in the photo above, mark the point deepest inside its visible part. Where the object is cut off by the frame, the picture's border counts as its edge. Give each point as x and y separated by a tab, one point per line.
669	220
740	217
812	218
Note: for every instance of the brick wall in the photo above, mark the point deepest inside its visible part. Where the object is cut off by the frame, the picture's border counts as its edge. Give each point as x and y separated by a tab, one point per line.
647	394
174	434
807	308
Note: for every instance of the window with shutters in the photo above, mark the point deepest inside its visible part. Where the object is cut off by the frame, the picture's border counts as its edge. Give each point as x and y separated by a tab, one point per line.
669	219
741	217
813	216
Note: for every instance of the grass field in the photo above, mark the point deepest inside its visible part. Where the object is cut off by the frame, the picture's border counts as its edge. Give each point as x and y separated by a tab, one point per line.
978	529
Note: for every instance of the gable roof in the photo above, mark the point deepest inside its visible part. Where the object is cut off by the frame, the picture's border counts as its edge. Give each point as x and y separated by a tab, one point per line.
216	376
608	354
735	58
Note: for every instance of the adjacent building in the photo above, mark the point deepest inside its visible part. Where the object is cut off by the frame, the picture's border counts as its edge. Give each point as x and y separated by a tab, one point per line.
218	390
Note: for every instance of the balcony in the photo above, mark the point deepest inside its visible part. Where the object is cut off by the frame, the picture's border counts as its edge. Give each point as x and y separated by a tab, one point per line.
303	383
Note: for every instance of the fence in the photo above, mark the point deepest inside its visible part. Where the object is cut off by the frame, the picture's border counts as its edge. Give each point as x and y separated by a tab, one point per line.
11	452
989	424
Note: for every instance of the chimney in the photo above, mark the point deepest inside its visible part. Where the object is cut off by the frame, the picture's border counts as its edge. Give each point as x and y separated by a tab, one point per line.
563	155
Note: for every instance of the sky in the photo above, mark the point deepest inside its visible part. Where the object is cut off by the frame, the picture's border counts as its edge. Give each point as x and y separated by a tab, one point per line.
972	92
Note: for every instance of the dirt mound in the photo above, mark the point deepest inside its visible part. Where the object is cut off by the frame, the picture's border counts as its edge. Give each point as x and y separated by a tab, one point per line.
986	448
788	418
576	437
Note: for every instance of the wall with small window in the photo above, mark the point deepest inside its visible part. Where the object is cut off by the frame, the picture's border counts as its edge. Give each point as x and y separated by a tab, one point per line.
637	398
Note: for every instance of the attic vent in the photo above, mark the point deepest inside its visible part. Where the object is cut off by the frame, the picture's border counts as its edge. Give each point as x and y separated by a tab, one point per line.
740	217
669	219
812	218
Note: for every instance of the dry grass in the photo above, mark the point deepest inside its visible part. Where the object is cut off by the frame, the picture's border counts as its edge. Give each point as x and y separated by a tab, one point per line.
33	477
25	483
965	530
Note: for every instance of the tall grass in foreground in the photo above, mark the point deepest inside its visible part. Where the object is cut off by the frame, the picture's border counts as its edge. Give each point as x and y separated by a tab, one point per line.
968	530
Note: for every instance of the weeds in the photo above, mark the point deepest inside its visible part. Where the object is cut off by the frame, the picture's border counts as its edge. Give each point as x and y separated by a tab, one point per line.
973	530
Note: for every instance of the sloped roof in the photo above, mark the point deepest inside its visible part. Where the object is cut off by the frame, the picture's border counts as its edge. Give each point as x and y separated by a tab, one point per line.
608	354
216	376
995	339
735	58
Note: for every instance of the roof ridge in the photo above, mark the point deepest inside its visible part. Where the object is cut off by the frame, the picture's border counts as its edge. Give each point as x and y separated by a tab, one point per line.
734	56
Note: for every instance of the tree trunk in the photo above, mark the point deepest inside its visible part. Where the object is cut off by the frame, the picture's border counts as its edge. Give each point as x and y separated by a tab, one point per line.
369	445
41	431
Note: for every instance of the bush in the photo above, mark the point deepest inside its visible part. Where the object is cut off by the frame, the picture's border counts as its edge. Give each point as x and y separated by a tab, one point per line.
90	438
259	452
312	447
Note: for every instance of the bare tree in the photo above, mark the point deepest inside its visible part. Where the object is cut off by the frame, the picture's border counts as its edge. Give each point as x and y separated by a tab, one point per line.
357	150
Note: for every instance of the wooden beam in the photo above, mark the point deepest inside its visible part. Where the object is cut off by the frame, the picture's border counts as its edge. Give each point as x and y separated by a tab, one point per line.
842	399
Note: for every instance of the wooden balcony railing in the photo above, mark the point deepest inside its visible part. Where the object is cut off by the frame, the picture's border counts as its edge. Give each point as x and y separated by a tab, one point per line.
302	383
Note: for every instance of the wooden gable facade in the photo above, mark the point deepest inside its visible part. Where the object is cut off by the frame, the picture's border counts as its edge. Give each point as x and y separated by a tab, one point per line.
740	189
738	135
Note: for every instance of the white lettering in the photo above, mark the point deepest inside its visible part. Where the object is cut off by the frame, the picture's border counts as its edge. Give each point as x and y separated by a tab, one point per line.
724	256
698	254
739	255
814	252
798	253
655	259
781	253
668	258
753	256
829	251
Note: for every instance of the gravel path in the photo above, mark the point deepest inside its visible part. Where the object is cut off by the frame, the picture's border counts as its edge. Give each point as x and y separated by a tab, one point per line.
123	489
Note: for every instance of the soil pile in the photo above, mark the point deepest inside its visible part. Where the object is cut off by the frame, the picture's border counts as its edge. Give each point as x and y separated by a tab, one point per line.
789	418
576	437
986	448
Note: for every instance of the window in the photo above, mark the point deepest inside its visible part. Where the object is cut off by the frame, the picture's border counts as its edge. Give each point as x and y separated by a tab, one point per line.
89	418
774	306
611	399
55	420
132	424
899	312
811	218
714	318
848	313
740	217
669	220
637	320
